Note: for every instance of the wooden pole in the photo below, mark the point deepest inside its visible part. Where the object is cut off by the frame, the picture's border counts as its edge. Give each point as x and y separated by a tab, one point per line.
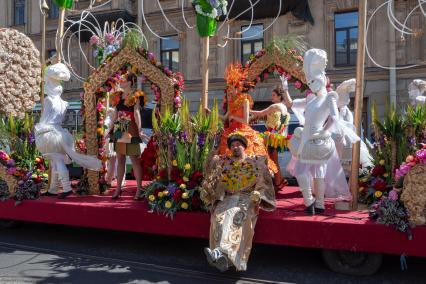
205	73
44	9
360	60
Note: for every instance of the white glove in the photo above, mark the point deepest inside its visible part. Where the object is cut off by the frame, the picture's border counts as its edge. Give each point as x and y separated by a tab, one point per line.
284	83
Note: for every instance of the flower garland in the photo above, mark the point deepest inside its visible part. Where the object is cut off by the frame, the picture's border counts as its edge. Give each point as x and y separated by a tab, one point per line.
217	7
281	71
238	175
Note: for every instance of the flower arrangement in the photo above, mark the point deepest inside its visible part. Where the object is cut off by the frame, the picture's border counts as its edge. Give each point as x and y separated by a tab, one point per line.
412	160
21	73
21	159
208	12
183	144
104	45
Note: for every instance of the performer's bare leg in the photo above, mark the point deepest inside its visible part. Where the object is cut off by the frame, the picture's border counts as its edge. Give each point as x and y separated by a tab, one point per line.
121	170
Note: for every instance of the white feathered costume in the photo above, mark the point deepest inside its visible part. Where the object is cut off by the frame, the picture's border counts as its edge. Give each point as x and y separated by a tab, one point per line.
54	142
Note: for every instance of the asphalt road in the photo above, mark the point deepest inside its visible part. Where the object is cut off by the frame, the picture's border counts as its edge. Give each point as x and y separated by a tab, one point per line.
38	253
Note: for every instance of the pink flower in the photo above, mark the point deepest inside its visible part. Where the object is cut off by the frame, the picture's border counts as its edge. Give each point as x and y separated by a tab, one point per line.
308	92
265	75
10	162
100	107
421	155
409	158
288	76
150	55
393	195
178	100
298	84
94	40
404	168
258	79
109	38
11	171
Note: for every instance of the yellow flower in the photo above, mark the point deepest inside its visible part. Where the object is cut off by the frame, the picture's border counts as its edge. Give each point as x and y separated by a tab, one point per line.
165	192
174	162
378	194
385	175
158	177
33	176
168	204
382	162
187	166
151	197
361	189
45	175
185	179
184	205
363	180
185	195
182	186
160	194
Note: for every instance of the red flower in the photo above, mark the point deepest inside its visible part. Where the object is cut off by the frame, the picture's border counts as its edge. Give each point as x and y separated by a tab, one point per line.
197	177
378	170
192	184
177	195
380	185
175	173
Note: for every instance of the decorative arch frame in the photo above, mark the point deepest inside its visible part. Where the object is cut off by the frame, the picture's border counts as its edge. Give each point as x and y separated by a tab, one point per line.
271	58
141	60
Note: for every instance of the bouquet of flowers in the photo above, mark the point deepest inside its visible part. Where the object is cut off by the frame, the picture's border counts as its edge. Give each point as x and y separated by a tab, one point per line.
208	12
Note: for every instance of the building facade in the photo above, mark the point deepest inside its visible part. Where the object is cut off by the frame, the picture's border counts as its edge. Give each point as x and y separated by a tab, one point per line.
334	30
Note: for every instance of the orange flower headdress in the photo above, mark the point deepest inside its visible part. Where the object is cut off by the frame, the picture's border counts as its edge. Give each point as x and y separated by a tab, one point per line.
235	76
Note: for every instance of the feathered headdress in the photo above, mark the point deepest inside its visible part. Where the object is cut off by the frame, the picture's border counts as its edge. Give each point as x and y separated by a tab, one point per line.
235	75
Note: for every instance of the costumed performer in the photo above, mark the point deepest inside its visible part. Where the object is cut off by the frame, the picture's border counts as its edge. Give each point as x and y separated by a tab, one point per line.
54	142
238	105
277	118
343	145
415	92
235	188
127	133
317	158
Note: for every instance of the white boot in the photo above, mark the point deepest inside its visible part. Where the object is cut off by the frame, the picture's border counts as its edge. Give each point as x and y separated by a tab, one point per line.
54	182
64	178
320	191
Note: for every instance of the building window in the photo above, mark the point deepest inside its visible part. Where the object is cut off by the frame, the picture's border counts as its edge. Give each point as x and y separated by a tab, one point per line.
170	52
346	37
252	41
19	12
53	10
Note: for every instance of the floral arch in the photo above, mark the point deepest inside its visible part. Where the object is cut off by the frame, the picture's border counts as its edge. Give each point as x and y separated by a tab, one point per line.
142	61
287	62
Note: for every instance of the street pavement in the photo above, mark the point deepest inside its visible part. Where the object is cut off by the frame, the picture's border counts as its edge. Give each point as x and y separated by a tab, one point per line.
40	253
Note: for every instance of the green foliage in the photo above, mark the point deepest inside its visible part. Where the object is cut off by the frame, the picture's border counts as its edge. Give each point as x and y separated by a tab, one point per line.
416	121
134	39
17	138
288	42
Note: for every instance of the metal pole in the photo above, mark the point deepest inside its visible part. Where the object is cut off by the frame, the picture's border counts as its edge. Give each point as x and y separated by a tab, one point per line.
205	73
360	60
60	33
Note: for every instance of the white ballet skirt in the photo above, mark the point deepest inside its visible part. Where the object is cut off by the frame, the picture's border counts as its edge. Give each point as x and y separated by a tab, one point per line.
54	141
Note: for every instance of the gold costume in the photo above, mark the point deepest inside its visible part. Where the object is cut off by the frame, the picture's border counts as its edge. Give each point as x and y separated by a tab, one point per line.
234	191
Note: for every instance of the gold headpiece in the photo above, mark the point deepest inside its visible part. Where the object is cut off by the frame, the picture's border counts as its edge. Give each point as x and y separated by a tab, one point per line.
237	136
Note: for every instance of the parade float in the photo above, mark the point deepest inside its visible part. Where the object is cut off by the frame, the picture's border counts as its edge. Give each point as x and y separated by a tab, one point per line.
181	146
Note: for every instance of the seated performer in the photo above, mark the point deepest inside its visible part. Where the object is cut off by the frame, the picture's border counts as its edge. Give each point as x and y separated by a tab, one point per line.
127	134
276	124
55	142
238	106
235	188
317	158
